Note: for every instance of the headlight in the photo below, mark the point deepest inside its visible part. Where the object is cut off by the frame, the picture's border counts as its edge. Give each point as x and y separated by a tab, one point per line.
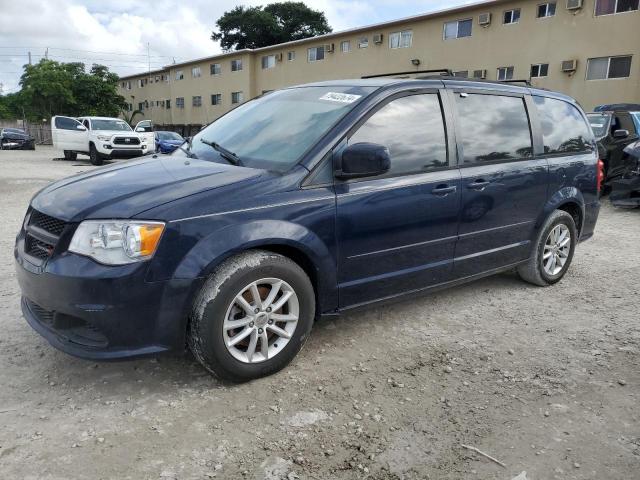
117	242
104	138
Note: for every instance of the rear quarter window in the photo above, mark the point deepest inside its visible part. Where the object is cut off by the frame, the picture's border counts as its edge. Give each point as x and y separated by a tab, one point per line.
564	129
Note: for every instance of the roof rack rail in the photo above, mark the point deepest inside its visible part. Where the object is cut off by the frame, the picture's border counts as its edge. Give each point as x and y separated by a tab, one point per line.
526	82
441	71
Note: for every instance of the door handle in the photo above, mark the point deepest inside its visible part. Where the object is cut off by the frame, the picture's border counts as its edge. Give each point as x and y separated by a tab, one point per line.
478	185
443	190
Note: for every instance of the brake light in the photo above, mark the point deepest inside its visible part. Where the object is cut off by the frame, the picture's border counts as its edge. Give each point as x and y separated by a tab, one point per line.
600	175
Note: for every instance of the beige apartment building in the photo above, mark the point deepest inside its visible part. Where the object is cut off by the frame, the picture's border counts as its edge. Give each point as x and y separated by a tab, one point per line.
589	49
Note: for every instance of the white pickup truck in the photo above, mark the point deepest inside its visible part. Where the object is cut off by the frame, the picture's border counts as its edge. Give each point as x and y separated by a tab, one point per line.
101	138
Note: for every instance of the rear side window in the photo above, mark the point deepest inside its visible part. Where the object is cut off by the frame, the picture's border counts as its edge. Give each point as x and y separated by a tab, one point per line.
412	129
564	130
64	123
493	128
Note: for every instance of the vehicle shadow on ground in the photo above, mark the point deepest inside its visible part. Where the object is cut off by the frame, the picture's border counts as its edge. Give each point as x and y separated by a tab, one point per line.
171	372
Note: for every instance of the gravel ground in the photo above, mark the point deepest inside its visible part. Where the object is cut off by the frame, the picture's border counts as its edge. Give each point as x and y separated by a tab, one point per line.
546	380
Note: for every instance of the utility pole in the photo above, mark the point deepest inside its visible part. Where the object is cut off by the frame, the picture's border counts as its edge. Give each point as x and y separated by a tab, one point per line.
149	56
46	53
29	58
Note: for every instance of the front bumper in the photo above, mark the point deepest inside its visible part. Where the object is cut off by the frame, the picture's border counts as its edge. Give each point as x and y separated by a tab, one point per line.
12	144
100	312
625	192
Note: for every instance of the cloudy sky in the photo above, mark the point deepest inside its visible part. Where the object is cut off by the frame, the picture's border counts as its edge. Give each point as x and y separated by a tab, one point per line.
116	32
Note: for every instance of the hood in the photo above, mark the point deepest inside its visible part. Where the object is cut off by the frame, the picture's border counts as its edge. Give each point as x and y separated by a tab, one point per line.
172	142
127	189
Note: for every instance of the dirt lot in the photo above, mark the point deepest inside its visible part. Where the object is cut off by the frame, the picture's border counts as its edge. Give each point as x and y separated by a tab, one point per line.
547	381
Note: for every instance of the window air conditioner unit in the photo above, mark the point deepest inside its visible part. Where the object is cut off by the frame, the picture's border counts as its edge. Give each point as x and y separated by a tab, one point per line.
328	48
377	38
569	65
484	19
278	57
574	4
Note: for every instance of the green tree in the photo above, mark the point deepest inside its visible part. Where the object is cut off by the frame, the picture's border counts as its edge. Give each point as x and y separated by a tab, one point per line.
51	88
255	27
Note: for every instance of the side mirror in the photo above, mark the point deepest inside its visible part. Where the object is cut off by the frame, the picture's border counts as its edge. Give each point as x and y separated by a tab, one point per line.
363	160
620	133
81	127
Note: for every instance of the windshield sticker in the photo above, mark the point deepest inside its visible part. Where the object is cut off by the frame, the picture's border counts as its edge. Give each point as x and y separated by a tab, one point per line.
340	97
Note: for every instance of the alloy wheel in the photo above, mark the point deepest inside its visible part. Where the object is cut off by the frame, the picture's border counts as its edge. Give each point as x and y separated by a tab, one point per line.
261	320
556	249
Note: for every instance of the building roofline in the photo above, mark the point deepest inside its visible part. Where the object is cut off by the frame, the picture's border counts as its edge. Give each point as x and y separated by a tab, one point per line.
350	31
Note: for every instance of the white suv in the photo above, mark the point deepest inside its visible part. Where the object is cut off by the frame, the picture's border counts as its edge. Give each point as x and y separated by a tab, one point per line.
98	137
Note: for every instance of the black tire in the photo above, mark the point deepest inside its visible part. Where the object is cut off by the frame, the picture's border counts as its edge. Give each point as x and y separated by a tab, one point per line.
94	157
205	335
533	271
69	155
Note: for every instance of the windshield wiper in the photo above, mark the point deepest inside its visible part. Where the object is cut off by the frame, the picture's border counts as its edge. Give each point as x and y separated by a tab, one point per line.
228	155
188	151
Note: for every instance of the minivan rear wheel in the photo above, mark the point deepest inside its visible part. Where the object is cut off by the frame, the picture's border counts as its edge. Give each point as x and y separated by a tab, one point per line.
553	251
252	316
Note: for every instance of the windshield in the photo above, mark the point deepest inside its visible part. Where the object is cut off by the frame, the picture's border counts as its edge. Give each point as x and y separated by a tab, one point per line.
274	131
102	124
636	120
169	136
599	123
14	130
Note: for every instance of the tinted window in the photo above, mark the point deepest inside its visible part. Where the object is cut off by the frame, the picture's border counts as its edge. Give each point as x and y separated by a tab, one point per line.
493	128
412	129
599	123
563	127
64	123
625	122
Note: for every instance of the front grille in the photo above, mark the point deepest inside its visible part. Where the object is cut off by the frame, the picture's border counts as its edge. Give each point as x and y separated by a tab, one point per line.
37	248
47	223
126	141
42	235
42	315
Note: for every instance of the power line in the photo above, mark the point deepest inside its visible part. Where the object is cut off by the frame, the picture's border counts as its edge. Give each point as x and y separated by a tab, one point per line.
93	51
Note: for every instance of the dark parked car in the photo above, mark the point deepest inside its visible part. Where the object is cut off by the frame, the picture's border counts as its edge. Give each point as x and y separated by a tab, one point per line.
167	142
308	202
614	130
16	138
625	190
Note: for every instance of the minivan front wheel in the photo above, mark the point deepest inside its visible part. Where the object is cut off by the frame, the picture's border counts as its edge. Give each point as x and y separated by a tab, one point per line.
553	251
252	316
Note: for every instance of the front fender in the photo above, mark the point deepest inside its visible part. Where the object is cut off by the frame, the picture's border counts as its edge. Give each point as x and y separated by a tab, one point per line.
213	249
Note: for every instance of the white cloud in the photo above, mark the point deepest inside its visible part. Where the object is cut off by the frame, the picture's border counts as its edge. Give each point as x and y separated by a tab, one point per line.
172	28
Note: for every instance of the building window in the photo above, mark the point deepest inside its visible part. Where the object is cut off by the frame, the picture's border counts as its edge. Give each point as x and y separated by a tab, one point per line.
539	70
609	7
345	46
140	83
363	42
196	72
608	67
505	73
546	10
315	54
196	101
236	65
461	73
401	39
237	97
216	99
457	29
167	104
179	75
157	78
511	16
141	106
215	69
268	61
180	102
479	73
291	56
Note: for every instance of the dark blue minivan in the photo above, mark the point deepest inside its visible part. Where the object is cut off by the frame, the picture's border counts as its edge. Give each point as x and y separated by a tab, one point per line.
308	202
